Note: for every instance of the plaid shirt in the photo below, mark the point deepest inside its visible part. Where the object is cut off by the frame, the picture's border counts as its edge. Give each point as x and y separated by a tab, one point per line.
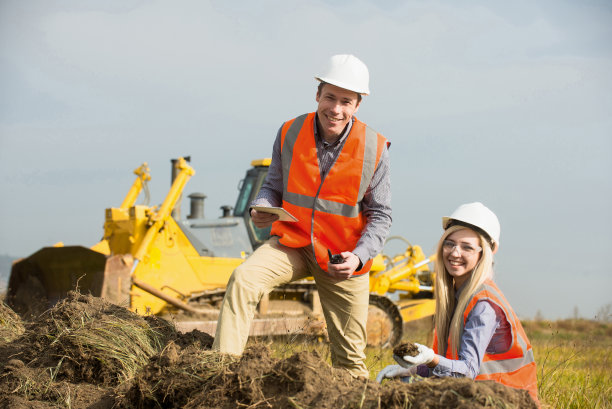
376	203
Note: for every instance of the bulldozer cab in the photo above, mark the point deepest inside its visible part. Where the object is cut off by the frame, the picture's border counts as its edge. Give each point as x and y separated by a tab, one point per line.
249	187
233	235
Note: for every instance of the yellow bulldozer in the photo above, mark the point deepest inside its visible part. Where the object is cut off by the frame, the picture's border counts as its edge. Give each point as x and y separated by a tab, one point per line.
152	261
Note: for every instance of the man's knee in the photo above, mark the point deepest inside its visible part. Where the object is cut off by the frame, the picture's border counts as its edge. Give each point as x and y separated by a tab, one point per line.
244	281
240	277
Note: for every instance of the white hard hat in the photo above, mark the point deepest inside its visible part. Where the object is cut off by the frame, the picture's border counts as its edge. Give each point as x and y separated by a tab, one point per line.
348	72
478	215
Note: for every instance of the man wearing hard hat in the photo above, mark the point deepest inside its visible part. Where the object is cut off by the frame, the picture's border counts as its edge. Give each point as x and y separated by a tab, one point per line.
330	171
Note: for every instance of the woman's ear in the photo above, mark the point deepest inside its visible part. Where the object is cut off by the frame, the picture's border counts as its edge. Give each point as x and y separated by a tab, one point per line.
495	248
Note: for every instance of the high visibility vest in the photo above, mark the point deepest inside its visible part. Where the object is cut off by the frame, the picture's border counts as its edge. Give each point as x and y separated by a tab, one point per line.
328	208
515	367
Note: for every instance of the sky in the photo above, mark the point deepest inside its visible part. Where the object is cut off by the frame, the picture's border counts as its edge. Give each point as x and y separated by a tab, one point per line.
504	103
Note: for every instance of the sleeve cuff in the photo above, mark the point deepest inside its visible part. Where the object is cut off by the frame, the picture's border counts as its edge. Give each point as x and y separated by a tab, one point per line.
361	256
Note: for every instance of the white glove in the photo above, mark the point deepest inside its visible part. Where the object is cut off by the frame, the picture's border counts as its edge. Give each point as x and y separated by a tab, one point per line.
393	371
425	356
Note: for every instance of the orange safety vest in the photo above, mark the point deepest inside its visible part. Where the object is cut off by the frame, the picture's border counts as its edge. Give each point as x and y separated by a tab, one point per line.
515	367
328	209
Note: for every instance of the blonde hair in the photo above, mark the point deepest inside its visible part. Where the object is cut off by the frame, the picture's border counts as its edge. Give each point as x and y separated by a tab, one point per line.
445	323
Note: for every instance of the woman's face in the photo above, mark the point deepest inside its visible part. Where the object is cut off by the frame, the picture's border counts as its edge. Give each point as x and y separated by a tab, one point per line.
461	251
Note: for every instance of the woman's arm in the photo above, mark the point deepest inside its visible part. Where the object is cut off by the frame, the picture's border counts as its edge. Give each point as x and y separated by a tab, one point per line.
479	329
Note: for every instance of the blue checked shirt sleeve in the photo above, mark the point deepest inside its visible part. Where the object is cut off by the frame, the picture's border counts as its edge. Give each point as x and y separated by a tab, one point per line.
271	192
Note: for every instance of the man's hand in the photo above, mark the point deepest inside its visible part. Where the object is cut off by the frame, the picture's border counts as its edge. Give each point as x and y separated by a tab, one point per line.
262	219
393	371
425	356
346	269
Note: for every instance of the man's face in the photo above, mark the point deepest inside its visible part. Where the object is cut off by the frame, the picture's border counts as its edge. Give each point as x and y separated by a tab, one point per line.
336	107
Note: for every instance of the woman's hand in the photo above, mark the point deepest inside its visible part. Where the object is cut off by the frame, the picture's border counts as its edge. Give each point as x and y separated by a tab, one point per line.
425	356
393	371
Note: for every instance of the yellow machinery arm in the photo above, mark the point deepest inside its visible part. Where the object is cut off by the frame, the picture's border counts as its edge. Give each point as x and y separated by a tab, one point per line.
401	273
409	276
158	219
140	246
142	177
141	242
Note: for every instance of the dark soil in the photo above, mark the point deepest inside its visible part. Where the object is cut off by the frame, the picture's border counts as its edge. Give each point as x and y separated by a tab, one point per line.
43	369
407	349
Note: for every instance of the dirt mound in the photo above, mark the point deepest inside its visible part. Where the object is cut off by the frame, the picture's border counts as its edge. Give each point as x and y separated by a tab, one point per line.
172	377
84	341
89	340
192	378
87	353
10	324
300	381
459	393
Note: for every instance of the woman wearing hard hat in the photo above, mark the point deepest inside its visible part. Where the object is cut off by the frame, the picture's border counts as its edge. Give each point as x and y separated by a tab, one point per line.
477	334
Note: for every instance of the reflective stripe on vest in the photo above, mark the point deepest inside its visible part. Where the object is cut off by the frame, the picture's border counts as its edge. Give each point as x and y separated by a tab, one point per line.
328	208
507	365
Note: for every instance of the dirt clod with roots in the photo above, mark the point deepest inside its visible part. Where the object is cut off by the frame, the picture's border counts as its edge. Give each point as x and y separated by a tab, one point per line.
406	349
87	353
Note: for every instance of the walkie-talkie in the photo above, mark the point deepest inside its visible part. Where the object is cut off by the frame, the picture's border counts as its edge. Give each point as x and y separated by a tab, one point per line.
335	258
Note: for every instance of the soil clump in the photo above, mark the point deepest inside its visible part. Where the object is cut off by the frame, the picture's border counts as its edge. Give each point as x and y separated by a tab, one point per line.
406	349
87	353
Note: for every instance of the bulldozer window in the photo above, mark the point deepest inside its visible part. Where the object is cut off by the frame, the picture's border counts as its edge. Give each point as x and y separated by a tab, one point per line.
249	188
244	196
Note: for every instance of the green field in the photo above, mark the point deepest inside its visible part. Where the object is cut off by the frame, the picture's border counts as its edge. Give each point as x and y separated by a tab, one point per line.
573	357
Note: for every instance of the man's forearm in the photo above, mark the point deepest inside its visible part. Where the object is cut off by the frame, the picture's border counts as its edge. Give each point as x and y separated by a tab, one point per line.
271	192
373	237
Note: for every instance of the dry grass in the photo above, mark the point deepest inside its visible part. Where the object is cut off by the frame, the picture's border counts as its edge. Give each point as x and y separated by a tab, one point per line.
87	339
574	360
11	326
127	344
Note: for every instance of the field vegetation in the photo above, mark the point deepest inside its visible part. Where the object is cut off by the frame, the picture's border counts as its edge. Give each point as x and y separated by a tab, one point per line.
574	358
86	353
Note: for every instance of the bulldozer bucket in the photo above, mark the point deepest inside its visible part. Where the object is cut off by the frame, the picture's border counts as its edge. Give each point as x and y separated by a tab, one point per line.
39	281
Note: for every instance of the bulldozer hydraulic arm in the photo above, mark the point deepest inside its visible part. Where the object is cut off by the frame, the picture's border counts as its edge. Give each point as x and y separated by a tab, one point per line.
142	177
401	273
159	218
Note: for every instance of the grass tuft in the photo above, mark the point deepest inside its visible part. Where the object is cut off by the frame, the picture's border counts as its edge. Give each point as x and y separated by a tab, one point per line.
11	326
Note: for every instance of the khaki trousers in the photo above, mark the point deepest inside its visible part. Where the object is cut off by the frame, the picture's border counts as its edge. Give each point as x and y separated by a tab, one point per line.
344	302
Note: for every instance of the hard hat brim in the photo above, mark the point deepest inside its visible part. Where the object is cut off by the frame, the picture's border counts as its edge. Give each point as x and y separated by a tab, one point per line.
447	221
342	85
